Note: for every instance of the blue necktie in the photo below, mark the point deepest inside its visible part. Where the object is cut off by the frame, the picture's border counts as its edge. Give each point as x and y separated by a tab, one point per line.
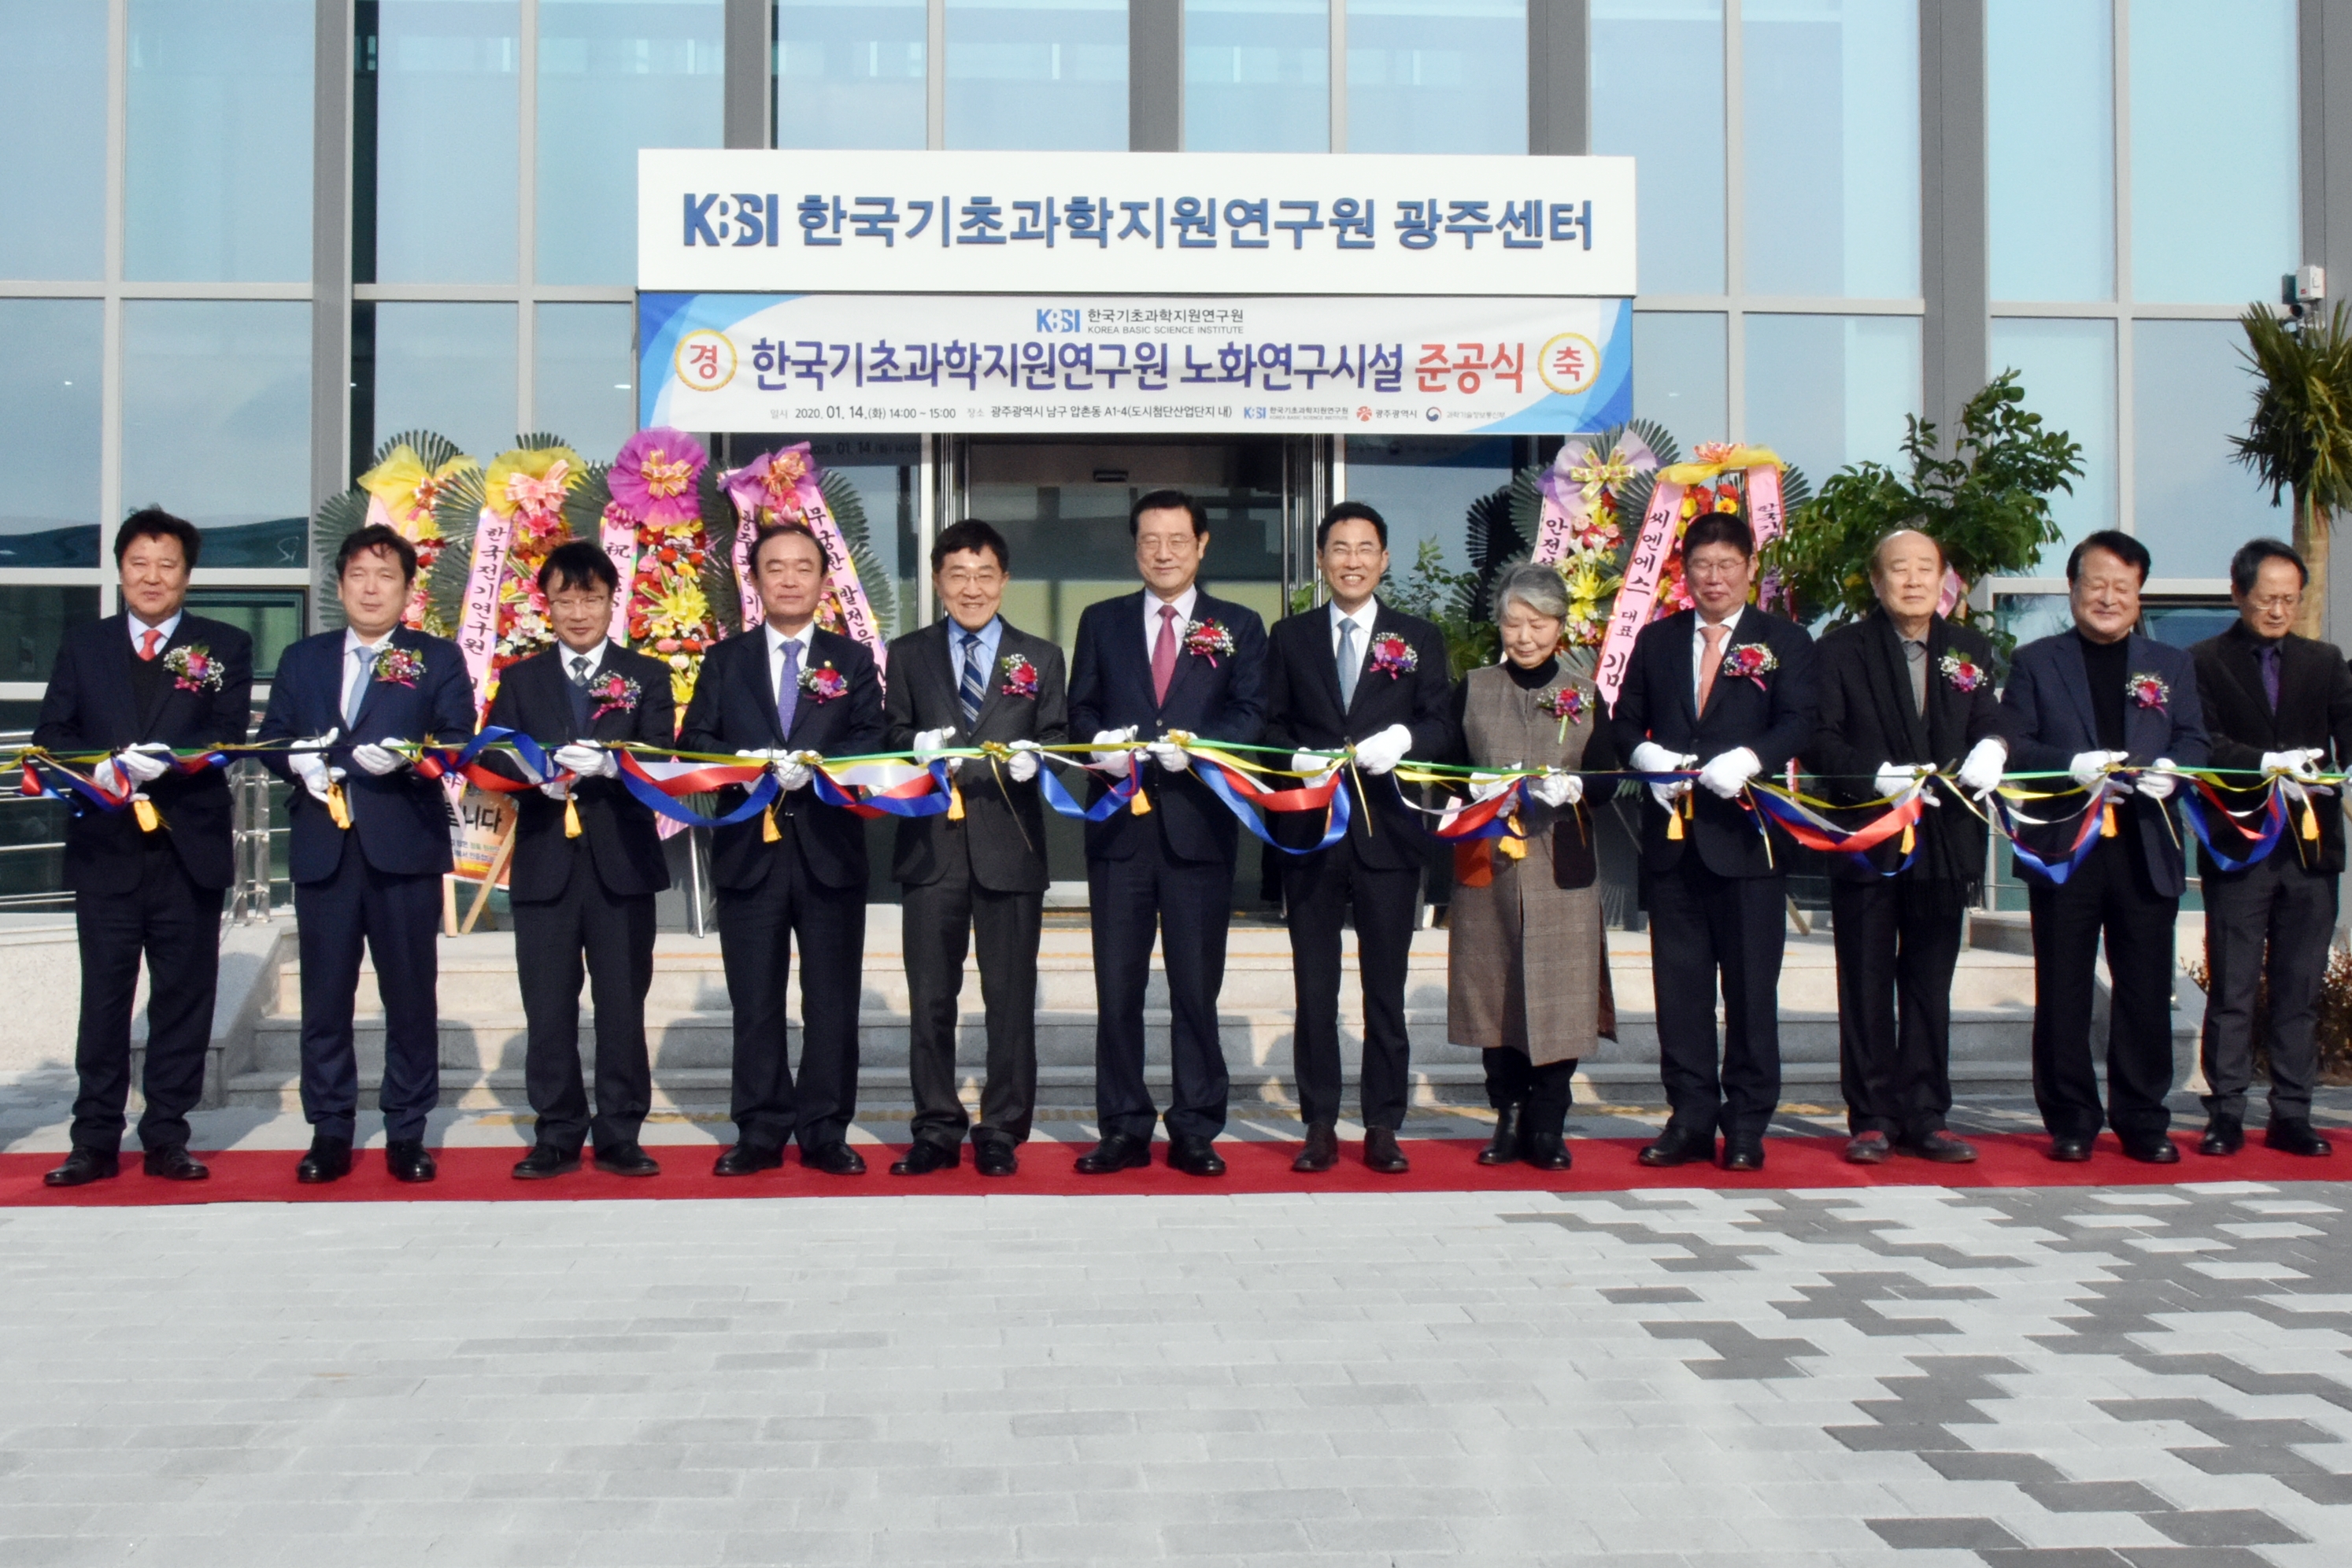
2270	662
788	687
973	690
1350	666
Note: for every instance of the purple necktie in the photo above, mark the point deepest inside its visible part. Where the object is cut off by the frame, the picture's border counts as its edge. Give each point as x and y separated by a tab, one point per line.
788	687
2270	661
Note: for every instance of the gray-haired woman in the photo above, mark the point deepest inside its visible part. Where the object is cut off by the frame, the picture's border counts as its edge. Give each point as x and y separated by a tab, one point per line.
1524	971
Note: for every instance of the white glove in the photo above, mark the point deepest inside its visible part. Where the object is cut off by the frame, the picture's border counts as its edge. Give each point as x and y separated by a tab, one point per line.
589	762
380	759
1894	778
1649	757
764	754
2158	781
312	770
1980	769
556	789
794	770
1727	773
144	763
927	741
1487	786
1024	765
1557	789
1316	765
1381	754
2087	766
2302	765
1170	755
1114	763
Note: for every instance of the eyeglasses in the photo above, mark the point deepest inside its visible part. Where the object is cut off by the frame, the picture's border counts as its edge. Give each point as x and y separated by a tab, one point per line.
1353	552
2274	602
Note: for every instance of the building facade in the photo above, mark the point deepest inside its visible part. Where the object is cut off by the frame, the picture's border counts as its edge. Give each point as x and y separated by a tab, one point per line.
241	241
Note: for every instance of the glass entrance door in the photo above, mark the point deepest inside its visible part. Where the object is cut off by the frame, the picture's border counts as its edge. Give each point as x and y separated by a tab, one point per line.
1062	505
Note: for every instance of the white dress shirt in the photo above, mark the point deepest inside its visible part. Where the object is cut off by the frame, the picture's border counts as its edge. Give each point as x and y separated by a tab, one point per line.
1183	603
776	641
1698	643
139	628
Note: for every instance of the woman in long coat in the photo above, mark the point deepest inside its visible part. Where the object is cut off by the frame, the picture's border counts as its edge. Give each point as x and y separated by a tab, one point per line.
1526	964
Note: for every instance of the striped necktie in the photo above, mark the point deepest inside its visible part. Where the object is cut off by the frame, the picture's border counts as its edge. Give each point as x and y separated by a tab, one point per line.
972	690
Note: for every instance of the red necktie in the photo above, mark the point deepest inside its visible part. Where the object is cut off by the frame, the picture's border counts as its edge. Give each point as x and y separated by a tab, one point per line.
1163	653
147	641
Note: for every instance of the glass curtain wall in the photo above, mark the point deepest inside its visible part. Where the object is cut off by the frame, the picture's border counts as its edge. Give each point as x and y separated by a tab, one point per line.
2114	297
1779	217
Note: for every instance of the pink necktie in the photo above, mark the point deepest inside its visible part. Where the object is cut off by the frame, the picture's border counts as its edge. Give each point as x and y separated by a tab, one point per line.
1164	655
1709	661
147	641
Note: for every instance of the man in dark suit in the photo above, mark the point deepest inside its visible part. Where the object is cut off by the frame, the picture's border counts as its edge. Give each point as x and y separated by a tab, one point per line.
370	846
973	680
1355	674
790	693
1168	658
586	866
1904	690
2276	704
141	684
1727	689
2086	702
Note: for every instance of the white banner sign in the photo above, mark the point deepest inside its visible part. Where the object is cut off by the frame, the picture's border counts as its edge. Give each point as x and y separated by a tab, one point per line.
1139	222
993	362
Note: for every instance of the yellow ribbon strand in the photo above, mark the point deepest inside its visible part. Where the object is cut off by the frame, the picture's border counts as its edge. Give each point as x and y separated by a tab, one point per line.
955	801
1511	846
149	819
2107	828
570	818
767	833
337	807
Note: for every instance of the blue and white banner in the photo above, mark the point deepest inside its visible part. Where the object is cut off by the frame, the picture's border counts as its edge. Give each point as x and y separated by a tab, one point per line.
818	362
804	221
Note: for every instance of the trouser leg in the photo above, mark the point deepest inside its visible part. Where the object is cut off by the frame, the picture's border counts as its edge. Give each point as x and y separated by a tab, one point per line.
1006	928
2138	925
1752	927
331	935
1865	934
404	930
1550	1090
1193	945
183	978
1124	900
1316	893
1683	968
828	1080
755	946
2238	910
618	932
109	930
2065	949
1931	915
1384	903
1507	1075
549	973
2302	927
935	925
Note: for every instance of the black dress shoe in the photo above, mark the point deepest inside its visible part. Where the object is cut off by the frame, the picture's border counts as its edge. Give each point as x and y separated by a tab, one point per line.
1382	1154
2157	1150
2224	1134
628	1159
329	1159
544	1161
1320	1152
2293	1135
1546	1154
1120	1151
1867	1149
835	1159
2070	1151
1677	1146
83	1166
1195	1156
1942	1148
994	1157
1741	1157
410	1161
1504	1146
923	1157
746	1160
174	1163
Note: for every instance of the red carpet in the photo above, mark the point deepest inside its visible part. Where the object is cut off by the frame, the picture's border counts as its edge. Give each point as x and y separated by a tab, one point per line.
1602	1165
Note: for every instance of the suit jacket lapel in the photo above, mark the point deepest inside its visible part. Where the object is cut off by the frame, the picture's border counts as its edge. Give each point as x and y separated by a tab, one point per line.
2078	687
2136	718
154	708
118	687
2245	666
1891	673
1682	668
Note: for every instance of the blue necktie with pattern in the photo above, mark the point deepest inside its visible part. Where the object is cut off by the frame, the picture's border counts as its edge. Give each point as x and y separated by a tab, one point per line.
973	690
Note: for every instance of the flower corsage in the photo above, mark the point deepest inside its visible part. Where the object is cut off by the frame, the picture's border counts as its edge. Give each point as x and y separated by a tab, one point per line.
1964	673
2147	690
1568	704
823	683
194	668
1207	639
612	694
1394	656
1750	661
399	667
1020	676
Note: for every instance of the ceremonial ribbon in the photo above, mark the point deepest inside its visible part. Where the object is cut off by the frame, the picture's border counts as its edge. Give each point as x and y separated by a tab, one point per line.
2086	837
1246	799
1787	809
2274	817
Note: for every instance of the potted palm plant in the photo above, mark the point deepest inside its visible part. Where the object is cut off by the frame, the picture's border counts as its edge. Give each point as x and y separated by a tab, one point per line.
2299	441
